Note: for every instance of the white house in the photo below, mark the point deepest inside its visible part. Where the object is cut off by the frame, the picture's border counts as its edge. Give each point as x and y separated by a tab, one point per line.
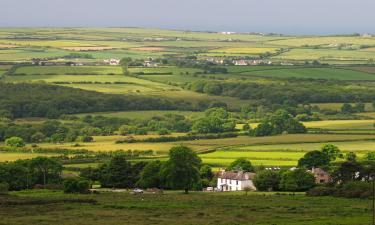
112	62
235	181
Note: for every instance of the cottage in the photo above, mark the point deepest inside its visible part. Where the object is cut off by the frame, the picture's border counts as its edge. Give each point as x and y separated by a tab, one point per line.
240	62
235	181
321	176
112	62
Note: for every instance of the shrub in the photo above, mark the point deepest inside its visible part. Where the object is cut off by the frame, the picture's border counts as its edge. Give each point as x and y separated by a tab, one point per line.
15	142
76	185
267	180
87	138
355	190
321	191
4	188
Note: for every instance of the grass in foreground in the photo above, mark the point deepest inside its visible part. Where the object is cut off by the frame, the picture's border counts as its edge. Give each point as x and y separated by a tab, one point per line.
175	208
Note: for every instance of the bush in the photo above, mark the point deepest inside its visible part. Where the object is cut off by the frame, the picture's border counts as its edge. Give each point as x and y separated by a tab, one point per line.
15	142
267	180
87	138
4	188
76	185
355	190
321	191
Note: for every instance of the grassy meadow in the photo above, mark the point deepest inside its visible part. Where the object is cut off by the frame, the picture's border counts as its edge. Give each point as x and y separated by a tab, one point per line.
49	207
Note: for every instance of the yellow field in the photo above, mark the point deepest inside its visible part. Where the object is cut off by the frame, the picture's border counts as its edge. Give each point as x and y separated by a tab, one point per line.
244	50
355	146
15	156
341	124
325	41
108	143
337	106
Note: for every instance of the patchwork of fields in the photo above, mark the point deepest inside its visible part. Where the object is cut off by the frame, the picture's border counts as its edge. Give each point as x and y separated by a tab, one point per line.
288	55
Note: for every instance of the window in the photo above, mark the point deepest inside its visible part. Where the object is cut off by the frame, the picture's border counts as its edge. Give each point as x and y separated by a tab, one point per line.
237	182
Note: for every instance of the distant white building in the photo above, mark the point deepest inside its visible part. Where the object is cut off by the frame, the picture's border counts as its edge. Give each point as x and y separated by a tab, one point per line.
227	32
240	62
148	63
112	62
235	181
366	35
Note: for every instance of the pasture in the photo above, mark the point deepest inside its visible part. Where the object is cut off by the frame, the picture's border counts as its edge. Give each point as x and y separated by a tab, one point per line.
66	70
107	143
342	124
10	156
244	50
315	73
176	208
325	54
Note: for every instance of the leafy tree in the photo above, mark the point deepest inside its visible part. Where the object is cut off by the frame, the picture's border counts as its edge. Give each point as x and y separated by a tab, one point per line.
206	172
314	159
38	137
4	188
150	175
86	138
279	122
359	107
117	173
351	156
246	127
216	121
126	129
346	108
348	171
267	180
297	180
241	164
48	170
76	185
15	142
212	88
124	63
263	129
332	151
370	156
182	168
89	173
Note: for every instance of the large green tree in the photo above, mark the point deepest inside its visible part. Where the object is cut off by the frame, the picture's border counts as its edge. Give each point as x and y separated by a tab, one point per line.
181	171
241	164
314	159
117	173
296	180
150	175
267	180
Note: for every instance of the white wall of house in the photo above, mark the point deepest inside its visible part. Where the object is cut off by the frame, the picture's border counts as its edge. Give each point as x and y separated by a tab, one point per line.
234	185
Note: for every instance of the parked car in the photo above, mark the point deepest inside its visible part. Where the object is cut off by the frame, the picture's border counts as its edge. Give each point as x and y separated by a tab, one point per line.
138	191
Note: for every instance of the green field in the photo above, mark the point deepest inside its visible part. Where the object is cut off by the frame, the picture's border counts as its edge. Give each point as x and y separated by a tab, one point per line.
175	208
342	124
316	73
64	70
326	54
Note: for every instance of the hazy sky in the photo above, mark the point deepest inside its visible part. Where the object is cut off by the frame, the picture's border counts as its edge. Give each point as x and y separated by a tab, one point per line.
282	16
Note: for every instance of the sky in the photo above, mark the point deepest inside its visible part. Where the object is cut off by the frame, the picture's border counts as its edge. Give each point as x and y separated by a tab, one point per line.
277	16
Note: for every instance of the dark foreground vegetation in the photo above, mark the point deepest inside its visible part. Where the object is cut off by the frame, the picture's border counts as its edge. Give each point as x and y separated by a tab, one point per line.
53	207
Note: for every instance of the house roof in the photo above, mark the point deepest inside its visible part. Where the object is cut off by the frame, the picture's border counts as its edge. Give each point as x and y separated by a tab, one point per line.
236	175
319	171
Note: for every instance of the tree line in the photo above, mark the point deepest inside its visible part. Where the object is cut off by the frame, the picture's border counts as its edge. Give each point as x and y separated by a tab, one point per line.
53	101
